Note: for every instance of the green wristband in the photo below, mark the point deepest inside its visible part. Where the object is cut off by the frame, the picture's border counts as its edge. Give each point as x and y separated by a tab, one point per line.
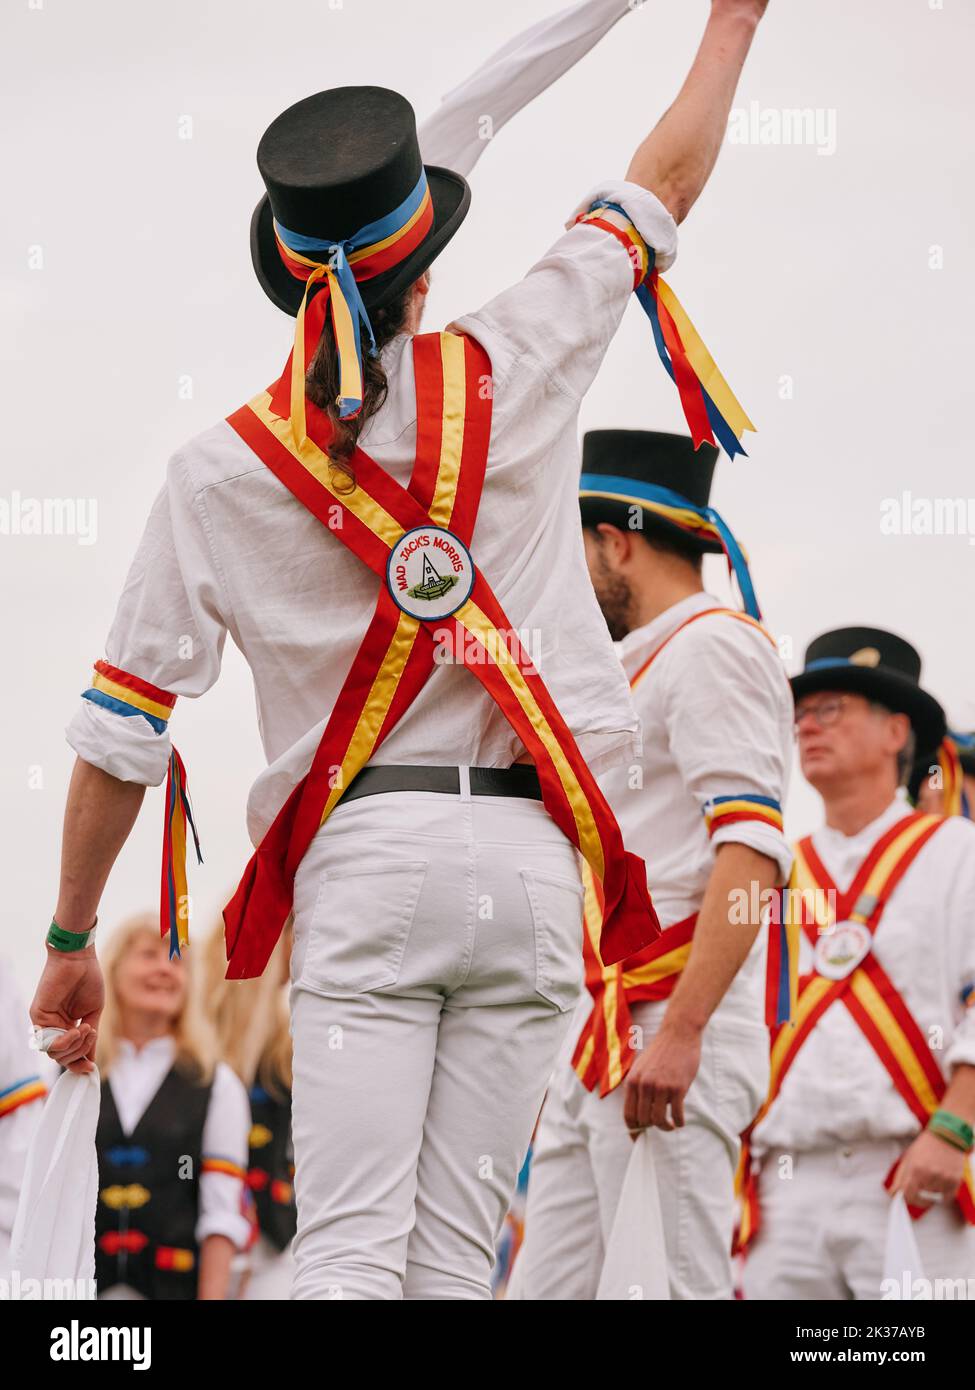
951	1127
68	941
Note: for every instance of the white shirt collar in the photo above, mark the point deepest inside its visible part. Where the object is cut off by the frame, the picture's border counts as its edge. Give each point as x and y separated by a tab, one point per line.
641	641
831	838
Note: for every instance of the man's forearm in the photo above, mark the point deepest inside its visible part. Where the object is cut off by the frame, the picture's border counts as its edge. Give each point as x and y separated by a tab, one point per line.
98	817
216	1257
676	158
721	941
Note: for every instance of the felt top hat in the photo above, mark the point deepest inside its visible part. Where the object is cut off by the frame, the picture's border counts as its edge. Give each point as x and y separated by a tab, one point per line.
336	163
878	665
351	218
667	461
669	482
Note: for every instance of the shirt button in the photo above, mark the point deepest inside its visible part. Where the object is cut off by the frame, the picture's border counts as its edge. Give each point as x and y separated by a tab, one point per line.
847	1153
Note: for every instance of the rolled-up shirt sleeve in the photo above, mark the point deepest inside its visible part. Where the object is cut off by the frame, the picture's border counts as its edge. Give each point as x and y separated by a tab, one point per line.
166	639
224	1165
731	733
562	316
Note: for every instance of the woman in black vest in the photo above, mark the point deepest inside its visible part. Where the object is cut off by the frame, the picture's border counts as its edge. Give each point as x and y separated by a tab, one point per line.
172	1133
250	1018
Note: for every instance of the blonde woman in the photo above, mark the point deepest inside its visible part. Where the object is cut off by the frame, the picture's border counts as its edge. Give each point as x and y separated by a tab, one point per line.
250	1019
172	1133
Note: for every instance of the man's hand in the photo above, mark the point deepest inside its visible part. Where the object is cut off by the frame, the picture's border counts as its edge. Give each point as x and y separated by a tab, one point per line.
70	995
930	1166
660	1077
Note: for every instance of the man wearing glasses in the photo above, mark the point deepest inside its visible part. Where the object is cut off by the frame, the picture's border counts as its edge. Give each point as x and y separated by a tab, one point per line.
873	1087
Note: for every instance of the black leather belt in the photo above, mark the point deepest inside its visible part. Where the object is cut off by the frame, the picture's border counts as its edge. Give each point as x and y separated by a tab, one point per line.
519	780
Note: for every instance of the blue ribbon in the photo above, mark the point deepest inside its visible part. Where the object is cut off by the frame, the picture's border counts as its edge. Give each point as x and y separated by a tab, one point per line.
721	429
822	663
337	259
626	488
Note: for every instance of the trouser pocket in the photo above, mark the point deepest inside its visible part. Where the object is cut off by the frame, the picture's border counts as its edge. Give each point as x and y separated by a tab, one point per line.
361	925
556	912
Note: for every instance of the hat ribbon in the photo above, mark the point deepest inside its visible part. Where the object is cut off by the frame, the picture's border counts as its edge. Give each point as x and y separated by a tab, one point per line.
681	512
377	247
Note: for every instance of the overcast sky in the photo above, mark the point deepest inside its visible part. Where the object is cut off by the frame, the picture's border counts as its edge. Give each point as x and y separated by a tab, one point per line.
832	279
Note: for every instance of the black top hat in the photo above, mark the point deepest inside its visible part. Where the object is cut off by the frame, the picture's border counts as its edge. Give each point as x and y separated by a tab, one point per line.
339	161
878	665
649	456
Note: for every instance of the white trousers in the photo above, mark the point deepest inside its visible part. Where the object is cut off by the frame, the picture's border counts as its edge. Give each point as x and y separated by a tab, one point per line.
581	1154
824	1226
437	959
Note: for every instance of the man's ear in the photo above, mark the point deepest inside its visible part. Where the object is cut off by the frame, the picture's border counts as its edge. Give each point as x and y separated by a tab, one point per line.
422	285
617	544
902	726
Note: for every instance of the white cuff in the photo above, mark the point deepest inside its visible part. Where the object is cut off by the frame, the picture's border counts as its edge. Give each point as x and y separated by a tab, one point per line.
645	211
125	746
233	1225
764	839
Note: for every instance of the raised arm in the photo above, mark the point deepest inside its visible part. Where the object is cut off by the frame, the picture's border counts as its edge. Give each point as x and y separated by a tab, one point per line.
676	158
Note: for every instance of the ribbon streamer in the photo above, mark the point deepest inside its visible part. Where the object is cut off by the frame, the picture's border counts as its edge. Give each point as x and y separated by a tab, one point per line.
174	905
375	248
711	409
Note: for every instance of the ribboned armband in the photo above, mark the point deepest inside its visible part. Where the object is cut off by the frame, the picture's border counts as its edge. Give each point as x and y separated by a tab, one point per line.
713	413
953	1130
68	941
130	696
720	811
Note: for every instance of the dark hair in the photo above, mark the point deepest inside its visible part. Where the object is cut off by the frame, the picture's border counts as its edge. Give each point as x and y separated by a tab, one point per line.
322	378
672	544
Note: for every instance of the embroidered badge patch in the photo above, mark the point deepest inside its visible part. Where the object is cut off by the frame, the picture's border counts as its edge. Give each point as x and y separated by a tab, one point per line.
840	951
430	573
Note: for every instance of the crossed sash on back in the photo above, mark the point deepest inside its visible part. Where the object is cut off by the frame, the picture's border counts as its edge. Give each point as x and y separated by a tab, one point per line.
397	654
867	991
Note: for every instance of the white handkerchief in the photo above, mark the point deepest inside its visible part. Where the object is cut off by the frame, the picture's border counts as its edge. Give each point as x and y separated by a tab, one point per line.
902	1258
635	1266
54	1229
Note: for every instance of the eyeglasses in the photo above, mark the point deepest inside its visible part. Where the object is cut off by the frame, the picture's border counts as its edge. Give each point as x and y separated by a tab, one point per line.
825	713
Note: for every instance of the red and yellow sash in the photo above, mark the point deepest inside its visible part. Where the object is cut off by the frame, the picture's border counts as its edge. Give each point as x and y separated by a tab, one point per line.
605	1050
396	657
868	992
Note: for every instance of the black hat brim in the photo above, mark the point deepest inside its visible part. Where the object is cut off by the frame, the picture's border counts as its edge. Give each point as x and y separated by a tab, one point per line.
451	198
896	692
617	513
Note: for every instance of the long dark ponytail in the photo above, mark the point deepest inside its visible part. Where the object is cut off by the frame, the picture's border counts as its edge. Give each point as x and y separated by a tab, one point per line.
322	380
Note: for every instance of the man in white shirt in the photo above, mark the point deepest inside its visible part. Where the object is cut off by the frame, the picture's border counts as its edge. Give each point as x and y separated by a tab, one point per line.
873	1090
673	1040
437	908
